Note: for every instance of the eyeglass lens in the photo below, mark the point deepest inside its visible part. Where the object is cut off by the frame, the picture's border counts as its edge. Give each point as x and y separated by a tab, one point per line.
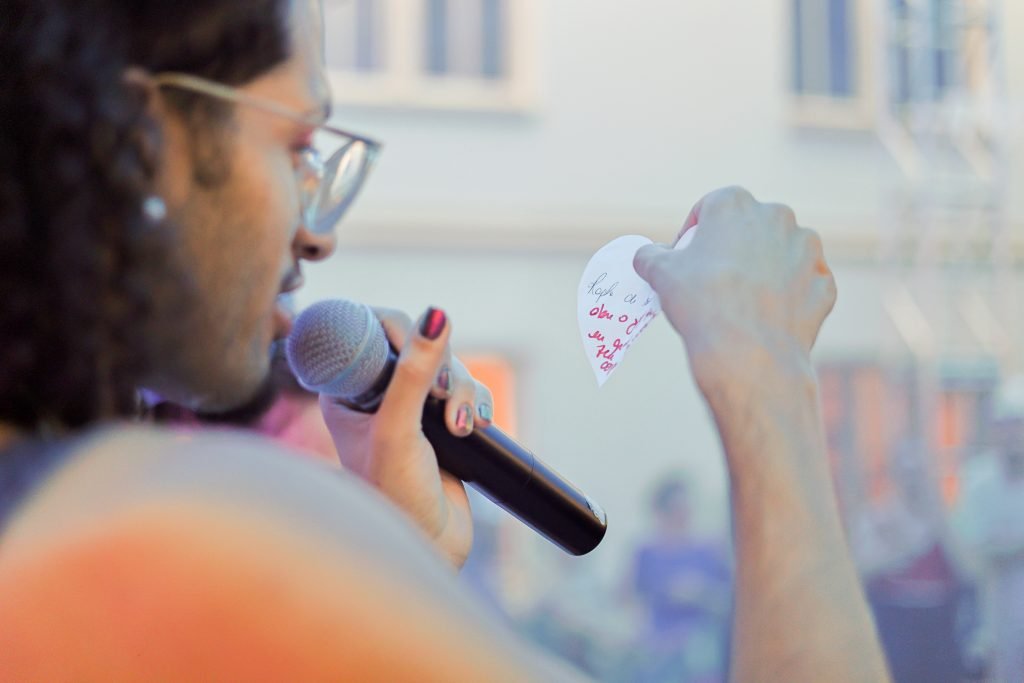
343	175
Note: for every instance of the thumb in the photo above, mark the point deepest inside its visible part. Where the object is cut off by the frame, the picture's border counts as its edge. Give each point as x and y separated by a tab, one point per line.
650	263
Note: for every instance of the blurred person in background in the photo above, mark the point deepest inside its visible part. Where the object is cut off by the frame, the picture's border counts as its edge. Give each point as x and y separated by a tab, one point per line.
909	564
573	616
684	584
990	519
162	183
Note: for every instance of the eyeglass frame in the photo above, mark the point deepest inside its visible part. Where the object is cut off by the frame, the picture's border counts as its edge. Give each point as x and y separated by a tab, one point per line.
321	169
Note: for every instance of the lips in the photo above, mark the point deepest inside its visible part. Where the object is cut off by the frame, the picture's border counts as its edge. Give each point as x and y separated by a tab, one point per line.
284	306
292	282
282	320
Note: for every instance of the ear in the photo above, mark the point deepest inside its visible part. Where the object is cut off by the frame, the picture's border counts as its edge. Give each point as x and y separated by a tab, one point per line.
137	78
151	135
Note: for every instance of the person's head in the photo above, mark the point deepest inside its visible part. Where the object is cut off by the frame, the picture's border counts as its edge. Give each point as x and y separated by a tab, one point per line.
1008	425
104	294
910	472
670	503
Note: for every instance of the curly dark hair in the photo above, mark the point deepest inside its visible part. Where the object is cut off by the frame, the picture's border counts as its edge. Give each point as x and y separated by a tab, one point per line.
78	154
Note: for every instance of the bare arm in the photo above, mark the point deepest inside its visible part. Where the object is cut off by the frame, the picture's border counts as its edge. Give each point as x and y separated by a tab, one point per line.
748	298
800	614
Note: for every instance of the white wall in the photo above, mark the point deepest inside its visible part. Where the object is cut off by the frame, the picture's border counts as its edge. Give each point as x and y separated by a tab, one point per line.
644	106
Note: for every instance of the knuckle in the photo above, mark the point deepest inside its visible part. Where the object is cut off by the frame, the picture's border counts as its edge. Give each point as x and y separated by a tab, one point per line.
831	291
812	244
738	196
726	199
484	394
461	379
403	318
393	315
645	262
463	388
414	367
659	270
822	299
459	369
396	322
815	240
782	213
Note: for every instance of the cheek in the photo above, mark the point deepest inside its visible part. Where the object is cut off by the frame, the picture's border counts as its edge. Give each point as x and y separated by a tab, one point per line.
284	190
272	205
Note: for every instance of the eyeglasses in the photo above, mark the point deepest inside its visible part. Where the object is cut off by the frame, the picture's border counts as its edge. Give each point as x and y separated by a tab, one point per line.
326	188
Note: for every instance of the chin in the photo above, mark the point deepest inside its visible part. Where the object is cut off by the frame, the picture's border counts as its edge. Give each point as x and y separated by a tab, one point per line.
246	413
243	390
217	375
224	391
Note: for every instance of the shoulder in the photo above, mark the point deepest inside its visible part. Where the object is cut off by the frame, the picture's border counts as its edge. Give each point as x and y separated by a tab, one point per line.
125	469
223	554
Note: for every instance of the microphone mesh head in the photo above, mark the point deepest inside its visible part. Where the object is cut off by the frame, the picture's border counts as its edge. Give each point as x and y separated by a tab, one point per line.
337	348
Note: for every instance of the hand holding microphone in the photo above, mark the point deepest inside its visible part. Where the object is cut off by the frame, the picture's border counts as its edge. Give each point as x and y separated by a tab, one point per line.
394	423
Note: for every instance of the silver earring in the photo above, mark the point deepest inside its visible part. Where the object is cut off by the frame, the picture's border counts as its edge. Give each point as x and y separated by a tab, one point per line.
154	208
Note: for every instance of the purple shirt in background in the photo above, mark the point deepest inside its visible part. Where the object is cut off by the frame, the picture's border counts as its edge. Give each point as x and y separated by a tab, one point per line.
684	585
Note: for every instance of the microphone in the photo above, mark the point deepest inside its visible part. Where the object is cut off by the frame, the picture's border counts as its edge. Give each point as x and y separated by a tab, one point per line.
339	348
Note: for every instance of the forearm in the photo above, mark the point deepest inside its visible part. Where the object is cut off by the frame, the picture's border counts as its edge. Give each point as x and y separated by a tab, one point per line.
800	614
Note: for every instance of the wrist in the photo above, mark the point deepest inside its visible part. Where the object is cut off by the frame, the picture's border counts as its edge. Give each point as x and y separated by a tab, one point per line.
727	371
761	395
768	416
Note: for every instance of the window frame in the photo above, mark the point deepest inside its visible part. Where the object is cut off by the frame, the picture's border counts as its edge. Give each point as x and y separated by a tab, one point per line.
405	82
859	111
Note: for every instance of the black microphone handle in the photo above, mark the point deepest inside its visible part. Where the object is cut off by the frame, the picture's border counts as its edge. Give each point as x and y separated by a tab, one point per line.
514	479
508	474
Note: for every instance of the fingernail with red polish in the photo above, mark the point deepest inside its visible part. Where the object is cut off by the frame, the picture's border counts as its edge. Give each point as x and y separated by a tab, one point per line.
433	323
464	419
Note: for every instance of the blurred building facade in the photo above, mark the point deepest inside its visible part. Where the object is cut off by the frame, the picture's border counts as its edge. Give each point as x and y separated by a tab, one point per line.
521	135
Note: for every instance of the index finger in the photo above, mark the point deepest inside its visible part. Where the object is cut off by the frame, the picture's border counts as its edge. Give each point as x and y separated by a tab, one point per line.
398	327
733	194
694	216
419	361
692	219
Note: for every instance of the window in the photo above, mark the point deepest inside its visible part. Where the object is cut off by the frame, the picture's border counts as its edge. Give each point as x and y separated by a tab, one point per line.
824	48
445	54
355	37
464	37
848	56
869	409
922	51
830	63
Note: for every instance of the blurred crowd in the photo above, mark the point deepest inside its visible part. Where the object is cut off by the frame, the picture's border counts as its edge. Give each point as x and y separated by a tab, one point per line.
944	575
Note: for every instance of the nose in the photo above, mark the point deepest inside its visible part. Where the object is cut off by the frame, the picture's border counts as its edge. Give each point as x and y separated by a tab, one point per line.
312	246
